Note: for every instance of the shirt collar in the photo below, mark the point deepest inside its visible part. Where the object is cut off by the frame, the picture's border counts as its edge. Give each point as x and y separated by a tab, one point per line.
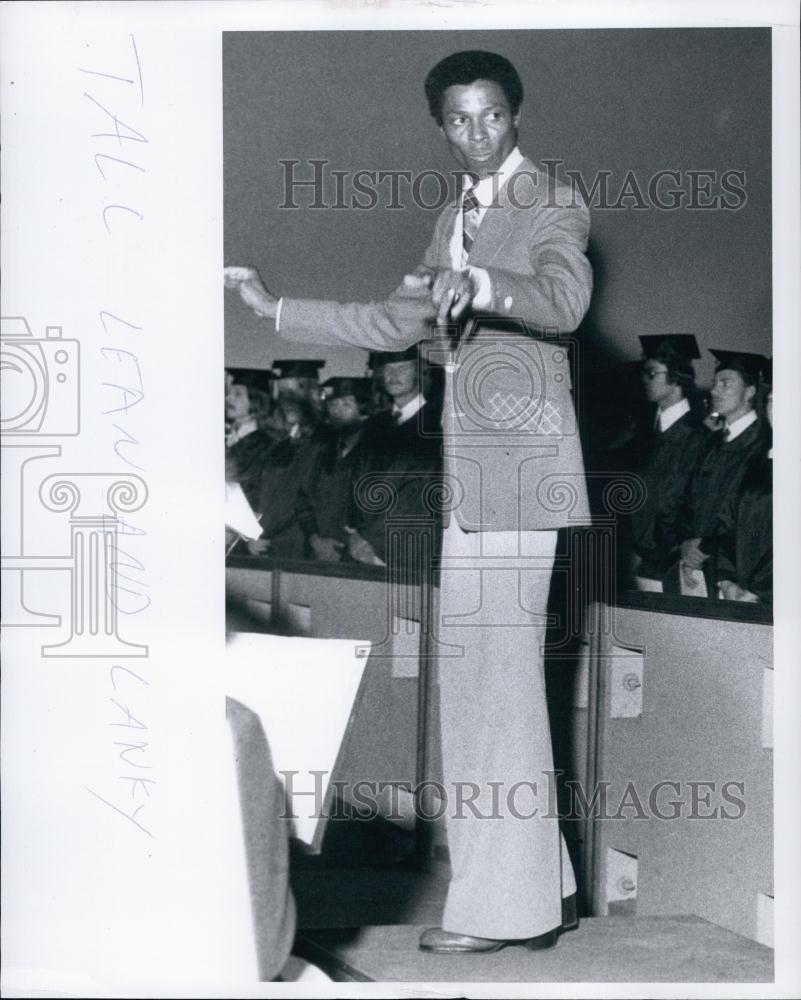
246	427
404	413
671	414
347	442
741	424
487	189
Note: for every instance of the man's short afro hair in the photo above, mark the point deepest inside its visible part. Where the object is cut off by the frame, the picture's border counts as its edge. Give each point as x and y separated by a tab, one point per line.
464	68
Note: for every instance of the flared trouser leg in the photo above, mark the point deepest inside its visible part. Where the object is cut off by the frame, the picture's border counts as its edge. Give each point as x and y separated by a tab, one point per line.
510	867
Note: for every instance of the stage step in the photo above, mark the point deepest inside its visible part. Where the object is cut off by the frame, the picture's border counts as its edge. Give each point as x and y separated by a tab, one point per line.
681	949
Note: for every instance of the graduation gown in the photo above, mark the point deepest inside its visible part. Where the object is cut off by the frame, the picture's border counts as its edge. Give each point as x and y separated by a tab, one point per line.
285	470
713	489
745	553
666	461
325	495
251	455
399	471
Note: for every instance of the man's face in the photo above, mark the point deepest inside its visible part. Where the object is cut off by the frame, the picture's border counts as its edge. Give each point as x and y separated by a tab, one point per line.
237	401
301	388
399	378
296	388
478	126
343	412
731	396
291	411
655	383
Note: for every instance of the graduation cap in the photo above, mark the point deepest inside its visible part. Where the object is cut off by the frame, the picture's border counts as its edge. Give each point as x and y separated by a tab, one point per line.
297	368
752	367
378	358
340	386
252	378
683	345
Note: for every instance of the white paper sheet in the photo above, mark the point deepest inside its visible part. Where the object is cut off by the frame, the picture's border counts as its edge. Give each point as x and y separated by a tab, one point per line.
303	691
239	514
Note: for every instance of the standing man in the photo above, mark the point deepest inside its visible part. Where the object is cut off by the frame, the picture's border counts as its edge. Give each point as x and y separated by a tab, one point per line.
512	248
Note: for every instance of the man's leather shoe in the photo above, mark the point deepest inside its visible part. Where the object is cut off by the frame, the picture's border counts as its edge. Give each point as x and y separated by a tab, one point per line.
448	943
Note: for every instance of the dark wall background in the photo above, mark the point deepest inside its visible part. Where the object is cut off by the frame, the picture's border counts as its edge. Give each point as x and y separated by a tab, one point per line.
617	100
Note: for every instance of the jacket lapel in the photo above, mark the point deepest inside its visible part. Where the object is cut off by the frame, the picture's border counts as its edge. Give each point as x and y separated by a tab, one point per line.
499	220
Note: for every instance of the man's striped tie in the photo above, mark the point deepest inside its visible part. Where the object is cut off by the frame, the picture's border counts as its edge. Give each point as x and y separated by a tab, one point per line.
470	222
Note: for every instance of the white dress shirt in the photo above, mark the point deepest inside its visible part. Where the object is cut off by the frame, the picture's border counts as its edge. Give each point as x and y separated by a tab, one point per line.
485	192
408	410
741	424
246	427
671	414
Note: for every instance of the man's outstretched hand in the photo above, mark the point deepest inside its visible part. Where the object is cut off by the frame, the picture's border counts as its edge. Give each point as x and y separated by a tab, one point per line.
252	290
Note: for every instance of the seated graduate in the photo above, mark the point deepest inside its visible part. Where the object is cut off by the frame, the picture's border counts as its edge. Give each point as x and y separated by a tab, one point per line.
744	559
298	379
286	468
325	496
668	447
701	522
249	426
402	461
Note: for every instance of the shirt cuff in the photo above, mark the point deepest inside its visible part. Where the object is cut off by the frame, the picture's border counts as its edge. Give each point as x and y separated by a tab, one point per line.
483	297
278	315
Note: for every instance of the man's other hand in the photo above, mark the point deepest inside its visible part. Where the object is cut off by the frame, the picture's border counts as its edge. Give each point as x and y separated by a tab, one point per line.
452	293
691	554
731	591
360	550
252	290
326	549
258	546
688	577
